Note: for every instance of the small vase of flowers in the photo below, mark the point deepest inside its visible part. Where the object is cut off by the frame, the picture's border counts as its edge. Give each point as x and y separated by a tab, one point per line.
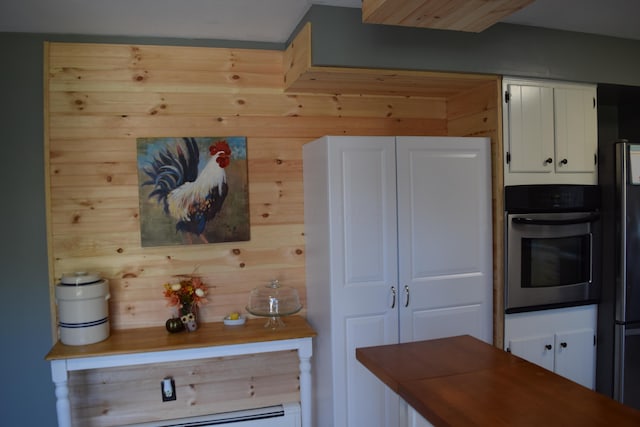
186	295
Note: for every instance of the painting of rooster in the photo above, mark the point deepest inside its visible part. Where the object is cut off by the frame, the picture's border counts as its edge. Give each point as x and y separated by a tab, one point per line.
192	190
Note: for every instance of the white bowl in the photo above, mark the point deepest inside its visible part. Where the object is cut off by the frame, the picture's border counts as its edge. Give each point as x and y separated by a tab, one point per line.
236	322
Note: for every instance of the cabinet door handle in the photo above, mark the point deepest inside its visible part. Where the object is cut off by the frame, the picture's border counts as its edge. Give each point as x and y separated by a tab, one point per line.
548	161
548	346
563	344
393	294
406	291
564	161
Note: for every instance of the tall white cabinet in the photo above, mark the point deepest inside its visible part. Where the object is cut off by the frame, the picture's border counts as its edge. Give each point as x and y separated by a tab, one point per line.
398	234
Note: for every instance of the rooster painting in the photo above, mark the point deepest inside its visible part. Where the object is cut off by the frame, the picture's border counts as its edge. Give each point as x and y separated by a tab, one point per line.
190	192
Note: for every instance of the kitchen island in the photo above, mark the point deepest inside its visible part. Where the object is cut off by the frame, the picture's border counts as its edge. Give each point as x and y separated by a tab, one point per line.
463	381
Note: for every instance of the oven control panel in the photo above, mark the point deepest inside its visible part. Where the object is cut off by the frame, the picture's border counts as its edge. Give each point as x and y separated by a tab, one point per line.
551	198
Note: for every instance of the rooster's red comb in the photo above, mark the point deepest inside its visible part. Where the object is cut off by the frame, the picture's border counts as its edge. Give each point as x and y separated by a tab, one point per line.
220	145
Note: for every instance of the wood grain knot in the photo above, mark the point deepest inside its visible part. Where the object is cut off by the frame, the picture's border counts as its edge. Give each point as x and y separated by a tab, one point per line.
236	251
119	250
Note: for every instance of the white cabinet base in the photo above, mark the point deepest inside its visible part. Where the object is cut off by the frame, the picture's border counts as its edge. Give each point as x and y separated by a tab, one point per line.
411	417
560	340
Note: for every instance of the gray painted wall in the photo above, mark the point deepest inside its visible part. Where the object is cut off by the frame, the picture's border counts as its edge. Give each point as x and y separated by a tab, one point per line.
27	395
339	38
26	398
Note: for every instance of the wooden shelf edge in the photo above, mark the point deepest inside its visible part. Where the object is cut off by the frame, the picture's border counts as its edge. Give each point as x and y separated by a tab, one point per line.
129	341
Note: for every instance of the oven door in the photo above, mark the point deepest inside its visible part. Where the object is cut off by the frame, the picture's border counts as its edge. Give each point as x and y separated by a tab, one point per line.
550	260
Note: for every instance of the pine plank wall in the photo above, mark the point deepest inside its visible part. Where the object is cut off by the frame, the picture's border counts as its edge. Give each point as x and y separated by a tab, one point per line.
99	98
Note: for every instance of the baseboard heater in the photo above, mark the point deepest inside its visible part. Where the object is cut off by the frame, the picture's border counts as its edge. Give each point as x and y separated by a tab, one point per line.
285	415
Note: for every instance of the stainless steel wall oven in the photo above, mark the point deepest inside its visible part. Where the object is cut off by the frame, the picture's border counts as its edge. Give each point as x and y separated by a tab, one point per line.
553	246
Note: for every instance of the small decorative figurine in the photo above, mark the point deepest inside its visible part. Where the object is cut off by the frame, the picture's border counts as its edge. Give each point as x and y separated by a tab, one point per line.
189	322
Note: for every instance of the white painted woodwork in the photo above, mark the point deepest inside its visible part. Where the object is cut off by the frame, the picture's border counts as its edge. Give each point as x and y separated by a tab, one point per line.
575	355
538	337
444	238
550	132
576	129
385	219
536	349
530	128
60	368
413	418
350	228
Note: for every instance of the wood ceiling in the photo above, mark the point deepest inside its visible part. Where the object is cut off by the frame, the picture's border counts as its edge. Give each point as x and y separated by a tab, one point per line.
460	15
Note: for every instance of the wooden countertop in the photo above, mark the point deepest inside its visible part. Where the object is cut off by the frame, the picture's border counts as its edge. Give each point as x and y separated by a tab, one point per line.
463	381
128	341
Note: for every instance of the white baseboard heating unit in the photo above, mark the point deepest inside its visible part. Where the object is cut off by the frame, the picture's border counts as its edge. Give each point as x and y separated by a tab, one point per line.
285	415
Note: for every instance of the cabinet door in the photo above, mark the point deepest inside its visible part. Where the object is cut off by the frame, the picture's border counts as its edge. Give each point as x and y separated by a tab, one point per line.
363	251
444	237
530	133
575	356
413	418
535	349
576	129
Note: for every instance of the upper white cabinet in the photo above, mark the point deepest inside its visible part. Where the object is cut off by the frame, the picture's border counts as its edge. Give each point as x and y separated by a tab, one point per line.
550	132
398	235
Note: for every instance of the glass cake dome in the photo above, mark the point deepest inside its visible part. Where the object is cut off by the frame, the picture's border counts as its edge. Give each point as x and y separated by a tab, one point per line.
274	301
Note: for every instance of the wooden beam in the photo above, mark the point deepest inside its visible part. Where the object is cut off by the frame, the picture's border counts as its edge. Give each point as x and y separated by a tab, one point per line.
460	15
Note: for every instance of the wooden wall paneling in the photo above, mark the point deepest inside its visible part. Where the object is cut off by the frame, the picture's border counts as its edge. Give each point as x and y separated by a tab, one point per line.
478	112
102	97
460	15
301	76
117	396
297	56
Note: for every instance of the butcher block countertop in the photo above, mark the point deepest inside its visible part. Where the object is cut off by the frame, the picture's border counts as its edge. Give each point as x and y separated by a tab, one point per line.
129	341
463	381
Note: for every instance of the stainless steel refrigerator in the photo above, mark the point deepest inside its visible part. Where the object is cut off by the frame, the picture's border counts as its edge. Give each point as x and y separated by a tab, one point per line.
618	371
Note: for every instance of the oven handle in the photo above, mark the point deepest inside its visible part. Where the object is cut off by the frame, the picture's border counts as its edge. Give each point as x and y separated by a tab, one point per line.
536	221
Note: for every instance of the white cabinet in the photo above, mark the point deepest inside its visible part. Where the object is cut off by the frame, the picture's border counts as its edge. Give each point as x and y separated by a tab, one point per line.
398	235
550	132
413	418
561	340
